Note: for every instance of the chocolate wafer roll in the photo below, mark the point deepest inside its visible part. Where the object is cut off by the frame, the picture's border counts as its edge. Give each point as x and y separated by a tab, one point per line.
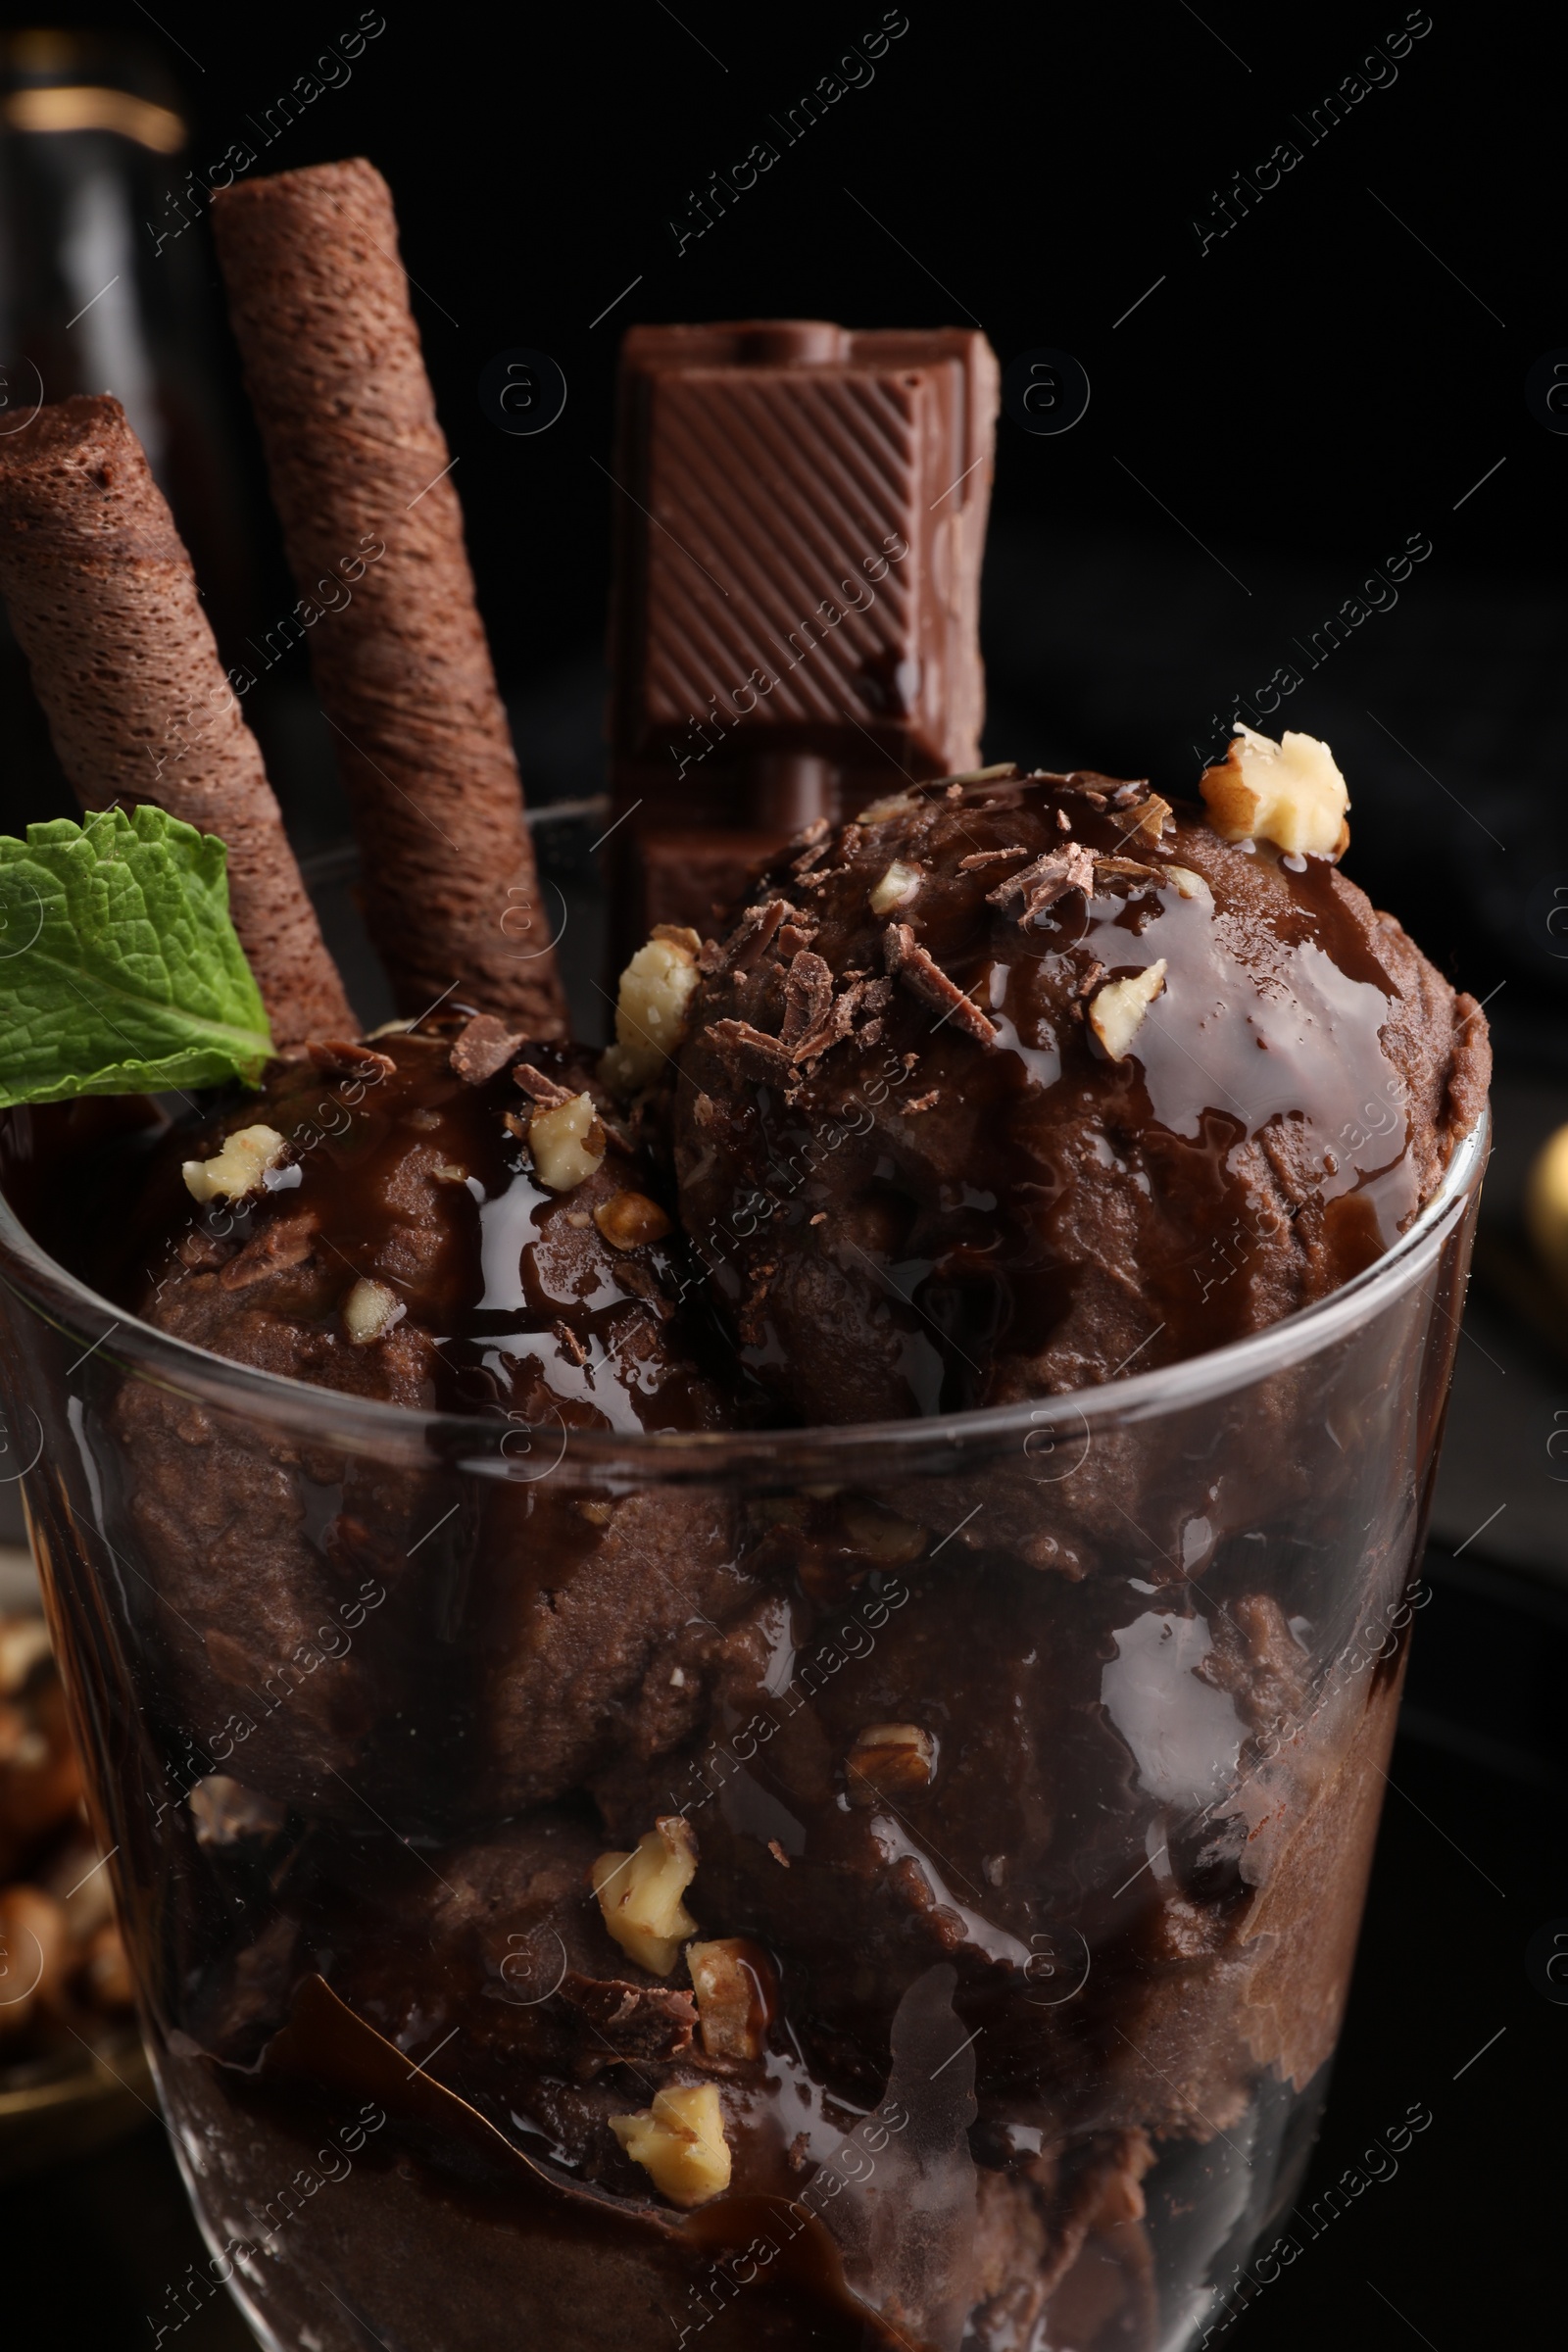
360	475
104	603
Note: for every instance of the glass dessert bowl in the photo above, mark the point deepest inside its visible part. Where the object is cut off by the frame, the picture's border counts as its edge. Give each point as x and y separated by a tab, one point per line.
859	1884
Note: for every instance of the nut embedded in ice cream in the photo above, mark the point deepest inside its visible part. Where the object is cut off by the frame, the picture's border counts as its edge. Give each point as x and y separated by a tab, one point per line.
889	1759
567	1144
239	1169
1289	793
1116	1013
733	2003
639	1894
679	2141
656	988
370	1309
898	887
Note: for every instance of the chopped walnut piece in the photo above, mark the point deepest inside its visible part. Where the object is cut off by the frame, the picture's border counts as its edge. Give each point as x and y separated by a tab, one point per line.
889	1759
733	2002
370	1312
1289	793
239	1168
1116	1013
639	1893
652	1009
898	885
567	1144
679	2142
1189	885
629	1219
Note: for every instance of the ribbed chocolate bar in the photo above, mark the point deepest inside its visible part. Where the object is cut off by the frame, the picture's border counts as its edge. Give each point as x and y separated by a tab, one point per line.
798	528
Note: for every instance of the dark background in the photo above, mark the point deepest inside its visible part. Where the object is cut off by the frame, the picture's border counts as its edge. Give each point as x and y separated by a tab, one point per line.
1343	371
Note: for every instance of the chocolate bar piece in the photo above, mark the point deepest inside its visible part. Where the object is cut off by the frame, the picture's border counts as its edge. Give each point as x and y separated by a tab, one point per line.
799	536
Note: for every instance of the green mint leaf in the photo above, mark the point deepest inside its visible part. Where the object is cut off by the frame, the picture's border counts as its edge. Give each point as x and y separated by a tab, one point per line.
121	972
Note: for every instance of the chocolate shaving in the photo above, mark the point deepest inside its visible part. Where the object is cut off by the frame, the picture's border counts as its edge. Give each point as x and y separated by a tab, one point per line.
1130	867
346	1058
637	2021
814	845
285	1243
919	972
1002	771
808	996
484	1046
754	1052
544	1091
1048	879
793	937
1091	979
1102	791
852	1012
923	1101
988	856
571	1347
753	935
1145	820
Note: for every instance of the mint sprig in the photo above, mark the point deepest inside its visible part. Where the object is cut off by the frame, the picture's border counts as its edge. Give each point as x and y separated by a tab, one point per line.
121	971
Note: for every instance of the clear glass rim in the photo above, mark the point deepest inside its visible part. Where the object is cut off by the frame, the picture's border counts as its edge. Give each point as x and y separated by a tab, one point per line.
333	1420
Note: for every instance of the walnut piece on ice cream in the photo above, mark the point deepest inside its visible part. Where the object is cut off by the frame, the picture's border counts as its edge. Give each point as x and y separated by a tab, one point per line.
238	1168
568	1143
732	2004
898	885
639	1894
370	1312
651	1010
1289	793
679	2141
889	1759
629	1219
1116	1013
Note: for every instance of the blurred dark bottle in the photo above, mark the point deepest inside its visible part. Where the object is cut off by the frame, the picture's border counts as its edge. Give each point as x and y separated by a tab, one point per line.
105	289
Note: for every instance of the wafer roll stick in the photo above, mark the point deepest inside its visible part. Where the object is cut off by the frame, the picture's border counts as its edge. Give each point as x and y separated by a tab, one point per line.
360	476
102	600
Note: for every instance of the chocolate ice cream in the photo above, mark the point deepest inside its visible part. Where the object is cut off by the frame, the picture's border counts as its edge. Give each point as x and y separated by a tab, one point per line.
1020	1079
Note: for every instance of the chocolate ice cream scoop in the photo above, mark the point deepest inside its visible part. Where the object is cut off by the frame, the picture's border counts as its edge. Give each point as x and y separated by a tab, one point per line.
444	1219
1017	1080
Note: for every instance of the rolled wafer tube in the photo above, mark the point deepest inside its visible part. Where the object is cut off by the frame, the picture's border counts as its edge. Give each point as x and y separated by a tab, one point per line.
361	480
102	600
